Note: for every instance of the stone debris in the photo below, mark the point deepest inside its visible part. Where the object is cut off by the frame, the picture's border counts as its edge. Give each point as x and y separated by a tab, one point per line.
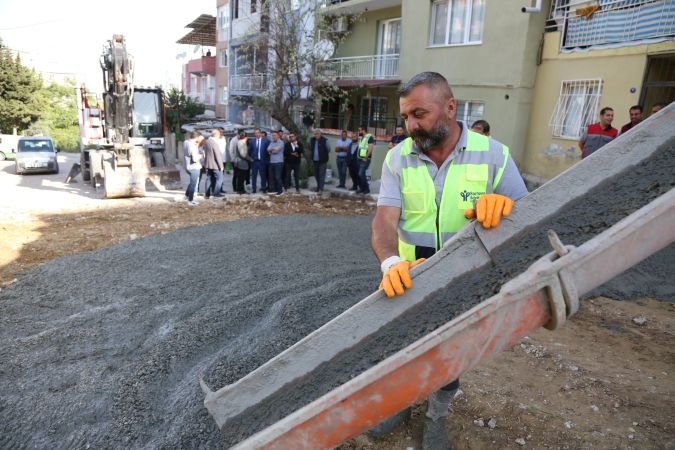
569	424
640	320
595	408
520	441
479	422
492	423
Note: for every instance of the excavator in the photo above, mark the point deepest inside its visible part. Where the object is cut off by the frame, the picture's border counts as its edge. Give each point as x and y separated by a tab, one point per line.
122	143
480	294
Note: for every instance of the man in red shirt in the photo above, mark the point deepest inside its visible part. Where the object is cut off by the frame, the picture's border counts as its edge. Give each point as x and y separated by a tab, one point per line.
598	134
635	113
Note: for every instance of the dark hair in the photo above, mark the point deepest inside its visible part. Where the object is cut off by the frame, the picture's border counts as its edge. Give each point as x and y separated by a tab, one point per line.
194	135
483	124
605	109
661	104
638	107
432	79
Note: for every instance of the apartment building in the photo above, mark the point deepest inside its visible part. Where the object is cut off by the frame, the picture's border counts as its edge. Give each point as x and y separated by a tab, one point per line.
198	79
486	49
616	53
223	28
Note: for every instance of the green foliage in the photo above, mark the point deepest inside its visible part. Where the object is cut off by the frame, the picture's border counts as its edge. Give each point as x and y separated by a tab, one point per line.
20	105
60	115
180	108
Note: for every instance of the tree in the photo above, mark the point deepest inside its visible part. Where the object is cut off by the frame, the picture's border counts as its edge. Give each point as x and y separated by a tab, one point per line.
297	42
180	107
59	116
19	102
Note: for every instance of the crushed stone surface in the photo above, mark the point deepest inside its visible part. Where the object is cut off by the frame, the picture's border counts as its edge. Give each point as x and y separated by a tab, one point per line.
105	349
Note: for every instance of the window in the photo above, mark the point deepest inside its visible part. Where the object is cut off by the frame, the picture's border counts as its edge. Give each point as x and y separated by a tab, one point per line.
576	108
235	9
223	58
469	111
456	22
223	95
253	6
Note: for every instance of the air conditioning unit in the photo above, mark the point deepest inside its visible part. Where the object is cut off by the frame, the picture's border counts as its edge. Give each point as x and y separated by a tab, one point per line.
340	24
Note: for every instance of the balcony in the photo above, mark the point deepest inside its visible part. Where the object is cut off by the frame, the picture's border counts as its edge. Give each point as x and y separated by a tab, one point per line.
206	65
247	83
345	6
611	22
367	70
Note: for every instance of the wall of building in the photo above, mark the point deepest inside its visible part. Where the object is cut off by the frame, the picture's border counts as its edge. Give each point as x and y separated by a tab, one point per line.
499	72
621	70
222	74
362	37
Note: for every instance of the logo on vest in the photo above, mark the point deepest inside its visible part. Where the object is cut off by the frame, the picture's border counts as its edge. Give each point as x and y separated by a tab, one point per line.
470	196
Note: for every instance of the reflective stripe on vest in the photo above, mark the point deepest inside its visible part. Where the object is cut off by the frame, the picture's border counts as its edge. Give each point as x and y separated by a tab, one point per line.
363	145
476	170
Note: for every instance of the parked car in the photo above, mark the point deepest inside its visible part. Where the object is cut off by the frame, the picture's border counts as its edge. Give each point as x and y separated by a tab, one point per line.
8	146
36	154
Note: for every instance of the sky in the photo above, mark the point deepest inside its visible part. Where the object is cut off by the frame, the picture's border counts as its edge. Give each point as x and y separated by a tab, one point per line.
68	36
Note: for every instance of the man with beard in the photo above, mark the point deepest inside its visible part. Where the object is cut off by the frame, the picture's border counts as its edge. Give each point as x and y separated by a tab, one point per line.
366	145
432	184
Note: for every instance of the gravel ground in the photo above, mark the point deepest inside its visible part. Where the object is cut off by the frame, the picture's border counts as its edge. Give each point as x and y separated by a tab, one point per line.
85	364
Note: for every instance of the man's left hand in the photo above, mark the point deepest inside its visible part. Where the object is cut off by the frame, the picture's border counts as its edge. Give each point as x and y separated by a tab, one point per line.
490	208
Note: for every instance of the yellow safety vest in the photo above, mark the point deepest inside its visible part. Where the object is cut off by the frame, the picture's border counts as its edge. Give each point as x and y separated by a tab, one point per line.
475	170
363	146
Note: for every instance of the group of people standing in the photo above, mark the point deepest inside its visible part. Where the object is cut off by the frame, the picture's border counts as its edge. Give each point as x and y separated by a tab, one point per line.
274	162
598	134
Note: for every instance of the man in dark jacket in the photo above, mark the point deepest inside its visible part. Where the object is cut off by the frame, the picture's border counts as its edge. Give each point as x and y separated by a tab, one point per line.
257	150
293	151
319	149
213	163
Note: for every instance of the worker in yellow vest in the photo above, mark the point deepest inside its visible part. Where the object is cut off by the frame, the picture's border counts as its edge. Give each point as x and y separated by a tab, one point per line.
432	184
365	153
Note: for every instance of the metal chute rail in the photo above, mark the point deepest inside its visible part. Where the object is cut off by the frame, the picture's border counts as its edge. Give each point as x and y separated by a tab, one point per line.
646	151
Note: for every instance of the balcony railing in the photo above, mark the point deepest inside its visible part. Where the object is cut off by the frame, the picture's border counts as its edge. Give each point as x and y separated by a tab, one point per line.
248	83
374	67
585	23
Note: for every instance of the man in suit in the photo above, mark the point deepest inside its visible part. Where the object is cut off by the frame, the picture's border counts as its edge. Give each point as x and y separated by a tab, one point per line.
213	163
319	149
293	151
257	150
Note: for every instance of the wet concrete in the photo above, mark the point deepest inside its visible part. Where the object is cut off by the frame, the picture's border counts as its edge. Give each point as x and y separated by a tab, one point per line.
575	223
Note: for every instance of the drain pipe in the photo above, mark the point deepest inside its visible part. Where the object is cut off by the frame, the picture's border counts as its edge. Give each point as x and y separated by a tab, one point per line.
532	9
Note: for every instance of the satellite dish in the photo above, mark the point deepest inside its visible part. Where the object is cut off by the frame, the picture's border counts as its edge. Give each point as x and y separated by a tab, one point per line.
324	49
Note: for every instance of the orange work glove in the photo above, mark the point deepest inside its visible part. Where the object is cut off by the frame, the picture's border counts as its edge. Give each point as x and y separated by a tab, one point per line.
490	208
397	276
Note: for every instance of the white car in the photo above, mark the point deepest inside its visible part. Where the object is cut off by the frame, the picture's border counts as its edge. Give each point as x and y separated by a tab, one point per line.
36	154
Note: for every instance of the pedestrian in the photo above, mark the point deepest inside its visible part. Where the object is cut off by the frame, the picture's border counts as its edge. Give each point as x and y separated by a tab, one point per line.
341	151
232	155
353	160
222	145
397	138
366	145
202	171
193	165
481	126
427	194
598	134
241	163
293	151
276	151
258	152
320	148
658	107
635	114
213	163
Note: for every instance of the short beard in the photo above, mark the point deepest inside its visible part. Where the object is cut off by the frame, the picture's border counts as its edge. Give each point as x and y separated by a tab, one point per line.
427	140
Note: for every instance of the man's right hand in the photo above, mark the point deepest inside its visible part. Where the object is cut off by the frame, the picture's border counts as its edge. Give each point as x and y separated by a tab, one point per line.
397	277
